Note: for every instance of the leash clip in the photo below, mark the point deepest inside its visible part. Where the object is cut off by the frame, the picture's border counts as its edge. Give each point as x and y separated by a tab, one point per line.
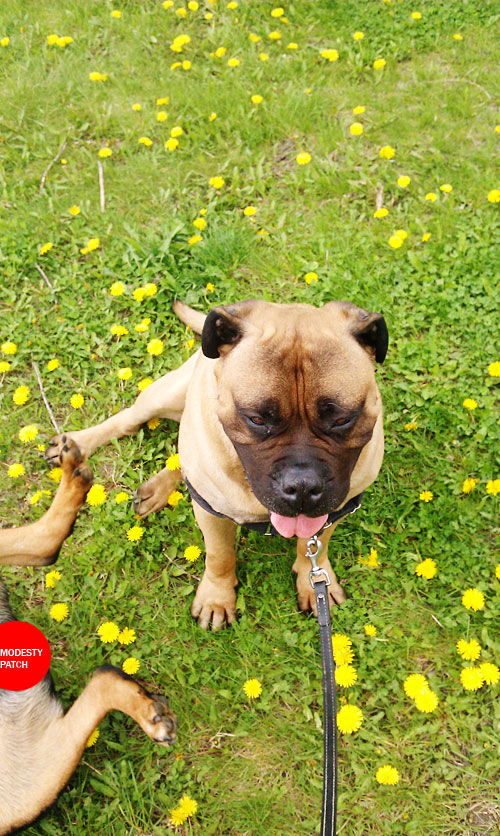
316	571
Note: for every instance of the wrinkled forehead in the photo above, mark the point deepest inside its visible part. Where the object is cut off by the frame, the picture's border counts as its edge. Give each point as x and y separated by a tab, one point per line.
293	370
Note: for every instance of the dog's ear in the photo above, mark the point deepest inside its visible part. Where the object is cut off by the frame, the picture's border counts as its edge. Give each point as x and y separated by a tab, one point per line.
223	329
369	329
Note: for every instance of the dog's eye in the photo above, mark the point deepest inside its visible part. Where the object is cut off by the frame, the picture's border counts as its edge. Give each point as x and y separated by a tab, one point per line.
341	422
259	422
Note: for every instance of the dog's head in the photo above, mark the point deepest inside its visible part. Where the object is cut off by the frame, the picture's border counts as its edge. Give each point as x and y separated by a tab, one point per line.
298	399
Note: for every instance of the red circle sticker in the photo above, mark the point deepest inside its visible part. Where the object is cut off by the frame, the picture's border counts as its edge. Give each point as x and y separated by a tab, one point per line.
24	655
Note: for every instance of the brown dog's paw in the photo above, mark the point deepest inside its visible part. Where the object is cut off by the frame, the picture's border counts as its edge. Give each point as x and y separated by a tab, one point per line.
214	604
153	495
157	720
77	475
54	450
305	592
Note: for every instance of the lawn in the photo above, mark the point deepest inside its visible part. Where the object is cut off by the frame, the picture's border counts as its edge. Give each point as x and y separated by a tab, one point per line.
290	112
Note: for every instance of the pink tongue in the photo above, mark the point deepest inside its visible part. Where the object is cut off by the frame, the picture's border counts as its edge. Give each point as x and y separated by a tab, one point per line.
300	526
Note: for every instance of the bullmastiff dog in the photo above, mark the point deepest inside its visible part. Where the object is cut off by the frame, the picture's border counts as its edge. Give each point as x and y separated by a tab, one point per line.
280	422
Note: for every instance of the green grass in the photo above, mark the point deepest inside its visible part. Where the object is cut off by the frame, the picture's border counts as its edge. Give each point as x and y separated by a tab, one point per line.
256	768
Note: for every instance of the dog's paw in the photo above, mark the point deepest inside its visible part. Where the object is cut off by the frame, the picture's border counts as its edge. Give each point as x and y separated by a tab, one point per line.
157	720
214	604
153	495
55	448
305	593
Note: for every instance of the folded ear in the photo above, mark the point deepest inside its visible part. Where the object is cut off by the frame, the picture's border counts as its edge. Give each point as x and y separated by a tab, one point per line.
369	329
223	329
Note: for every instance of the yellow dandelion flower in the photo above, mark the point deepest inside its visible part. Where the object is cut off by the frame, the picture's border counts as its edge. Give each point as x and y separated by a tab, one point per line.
426	496
77	401
493	487
55	473
387	152
21	395
249	211
412	425
194	239
310	277
125	373
15	470
122	496
416	15
171	144
117	289
379	63
345	675
469	403
303	158
59	612
108	632
92	739
212	116
471	678
469	650
155	347
188	806
216	182
45	248
356	129
210	287
96	495
51	578
127	636
349	719
370	630
4	366
118	330
137	107
135	533
105	152
473	599
446	187
381	213
28	433
414	684
426	701
358	110
252	689
432	196
74	210
330	55
177	817
494	196
494	369
469	484
395	241
387	775
426	569
144	383
172	462
358	36
174	498
153	423
490	673
145	140
8	348
403	181
200	223
131	665
192	553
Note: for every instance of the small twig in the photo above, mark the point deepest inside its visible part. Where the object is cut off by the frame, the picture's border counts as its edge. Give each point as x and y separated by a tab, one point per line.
437	620
101	186
379	197
46	278
44	396
327	256
44	175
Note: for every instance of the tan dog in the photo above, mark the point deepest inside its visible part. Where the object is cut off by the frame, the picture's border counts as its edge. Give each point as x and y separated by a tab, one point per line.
40	746
280	419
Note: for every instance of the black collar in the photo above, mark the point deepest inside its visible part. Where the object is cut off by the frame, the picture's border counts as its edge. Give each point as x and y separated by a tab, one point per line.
267	527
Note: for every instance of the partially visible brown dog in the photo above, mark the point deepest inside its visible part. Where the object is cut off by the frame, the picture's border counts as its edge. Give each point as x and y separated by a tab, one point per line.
40	746
38	544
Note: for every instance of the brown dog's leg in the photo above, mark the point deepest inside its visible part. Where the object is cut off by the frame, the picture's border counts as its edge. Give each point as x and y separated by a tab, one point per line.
302	566
165	398
153	495
56	751
215	599
38	544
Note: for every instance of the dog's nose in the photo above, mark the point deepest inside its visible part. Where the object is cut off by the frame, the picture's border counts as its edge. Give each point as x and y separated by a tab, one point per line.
302	488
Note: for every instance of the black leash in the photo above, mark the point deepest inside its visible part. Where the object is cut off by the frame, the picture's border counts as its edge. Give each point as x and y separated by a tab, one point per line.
320	581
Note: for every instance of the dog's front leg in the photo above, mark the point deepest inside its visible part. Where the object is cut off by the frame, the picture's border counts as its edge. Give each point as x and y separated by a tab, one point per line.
165	398
215	599
302	566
